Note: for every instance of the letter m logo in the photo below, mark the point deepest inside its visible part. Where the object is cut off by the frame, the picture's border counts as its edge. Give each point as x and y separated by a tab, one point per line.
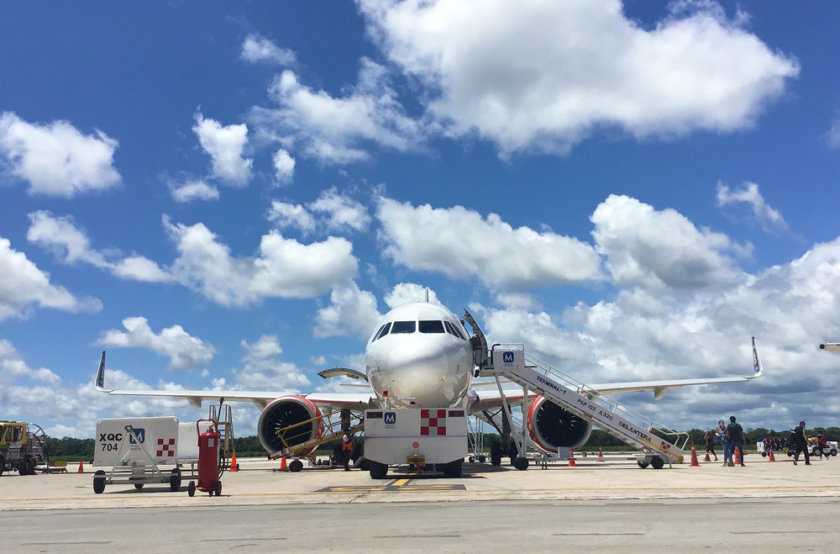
507	357
141	436
390	418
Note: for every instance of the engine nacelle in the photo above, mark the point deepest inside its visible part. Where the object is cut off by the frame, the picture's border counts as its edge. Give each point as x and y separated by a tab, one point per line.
273	427
552	427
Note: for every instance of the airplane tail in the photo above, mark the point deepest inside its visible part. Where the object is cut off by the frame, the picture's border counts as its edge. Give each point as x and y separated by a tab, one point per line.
99	382
758	369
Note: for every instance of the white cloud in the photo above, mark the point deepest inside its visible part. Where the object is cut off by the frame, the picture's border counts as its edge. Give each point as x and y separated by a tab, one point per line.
660	249
256	49
407	293
769	218
23	284
331	211
262	370
14	368
284	166
338	130
225	145
70	244
184	351
543	75
351	313
193	190
284	268
296	216
56	159
461	244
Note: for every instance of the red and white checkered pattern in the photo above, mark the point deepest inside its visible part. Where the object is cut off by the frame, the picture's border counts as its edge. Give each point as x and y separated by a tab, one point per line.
166	448
433	422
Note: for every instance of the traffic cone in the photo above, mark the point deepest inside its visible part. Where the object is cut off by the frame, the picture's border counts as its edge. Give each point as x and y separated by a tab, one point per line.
772	457
572	458
233	465
737	456
707	459
694	462
283	464
600	455
81	467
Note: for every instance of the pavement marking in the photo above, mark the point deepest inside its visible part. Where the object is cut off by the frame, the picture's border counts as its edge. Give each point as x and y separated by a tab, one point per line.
397	485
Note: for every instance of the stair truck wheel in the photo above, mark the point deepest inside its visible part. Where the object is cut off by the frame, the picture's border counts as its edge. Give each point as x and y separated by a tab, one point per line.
295	466
657	462
175	480
642	463
378	470
99	482
191	488
521	463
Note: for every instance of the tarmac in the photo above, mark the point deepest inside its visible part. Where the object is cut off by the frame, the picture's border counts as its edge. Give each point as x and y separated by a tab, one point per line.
615	477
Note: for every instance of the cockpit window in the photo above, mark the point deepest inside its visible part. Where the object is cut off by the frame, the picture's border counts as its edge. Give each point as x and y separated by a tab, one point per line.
431	326
382	332
453	330
403	327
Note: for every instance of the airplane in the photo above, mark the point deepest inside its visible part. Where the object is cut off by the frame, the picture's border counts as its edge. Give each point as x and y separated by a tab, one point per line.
831	346
418	356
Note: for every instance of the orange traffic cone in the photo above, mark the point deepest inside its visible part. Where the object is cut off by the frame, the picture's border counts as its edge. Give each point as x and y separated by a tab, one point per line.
572	458
81	467
694	462
772	457
283	464
233	465
600	455
738	456
707	459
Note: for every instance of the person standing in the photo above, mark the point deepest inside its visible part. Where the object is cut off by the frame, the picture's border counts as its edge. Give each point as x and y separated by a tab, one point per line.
709	437
800	442
723	438
736	439
346	449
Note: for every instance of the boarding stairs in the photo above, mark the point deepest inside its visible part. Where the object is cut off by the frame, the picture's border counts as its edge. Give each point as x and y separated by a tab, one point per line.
658	443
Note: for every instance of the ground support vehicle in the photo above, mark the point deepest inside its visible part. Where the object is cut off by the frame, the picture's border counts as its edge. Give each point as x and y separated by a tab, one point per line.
22	447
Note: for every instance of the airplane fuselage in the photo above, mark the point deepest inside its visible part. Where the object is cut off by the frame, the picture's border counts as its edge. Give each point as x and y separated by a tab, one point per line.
419	357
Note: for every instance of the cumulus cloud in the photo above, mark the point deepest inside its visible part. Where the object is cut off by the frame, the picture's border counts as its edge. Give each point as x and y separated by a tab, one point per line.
284	166
407	293
284	214
352	313
24	285
332	211
14	368
338	130
421	238
258	49
770	219
71	245
284	268
56	159
184	351
661	249
193	190
542	75
225	145
262	369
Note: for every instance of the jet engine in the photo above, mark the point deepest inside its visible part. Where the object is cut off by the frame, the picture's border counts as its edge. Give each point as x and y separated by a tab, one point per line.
553	427
282	426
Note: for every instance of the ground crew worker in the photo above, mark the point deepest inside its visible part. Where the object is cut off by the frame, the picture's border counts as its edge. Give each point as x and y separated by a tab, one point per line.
736	440
800	442
346	449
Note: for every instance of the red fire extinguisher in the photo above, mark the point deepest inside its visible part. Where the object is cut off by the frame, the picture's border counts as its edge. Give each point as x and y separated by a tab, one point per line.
208	461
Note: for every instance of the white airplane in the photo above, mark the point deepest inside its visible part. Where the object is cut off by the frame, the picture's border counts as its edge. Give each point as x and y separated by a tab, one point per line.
831	346
418	356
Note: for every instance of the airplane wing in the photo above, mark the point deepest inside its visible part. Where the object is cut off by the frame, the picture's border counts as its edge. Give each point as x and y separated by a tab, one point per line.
257	398
831	346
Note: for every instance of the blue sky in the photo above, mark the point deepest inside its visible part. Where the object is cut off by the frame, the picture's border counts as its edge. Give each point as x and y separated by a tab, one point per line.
228	195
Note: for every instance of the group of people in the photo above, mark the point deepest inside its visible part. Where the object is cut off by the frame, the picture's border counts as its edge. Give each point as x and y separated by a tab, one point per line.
732	436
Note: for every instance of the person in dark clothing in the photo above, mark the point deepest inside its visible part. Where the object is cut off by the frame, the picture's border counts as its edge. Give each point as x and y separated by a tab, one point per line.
709	437
346	450
736	439
800	443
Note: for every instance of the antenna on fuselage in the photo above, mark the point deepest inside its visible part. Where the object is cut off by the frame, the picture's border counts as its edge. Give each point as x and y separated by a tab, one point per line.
427	295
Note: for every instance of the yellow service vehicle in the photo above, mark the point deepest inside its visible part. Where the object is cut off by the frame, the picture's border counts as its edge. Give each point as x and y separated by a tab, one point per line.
21	448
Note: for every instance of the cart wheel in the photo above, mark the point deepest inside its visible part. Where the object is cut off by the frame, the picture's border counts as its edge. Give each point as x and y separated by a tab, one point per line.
175	481
218	488
482	458
138	486
191	488
642	464
99	482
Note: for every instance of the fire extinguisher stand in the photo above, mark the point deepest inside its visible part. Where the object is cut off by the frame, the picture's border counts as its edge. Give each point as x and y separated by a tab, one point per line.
209	469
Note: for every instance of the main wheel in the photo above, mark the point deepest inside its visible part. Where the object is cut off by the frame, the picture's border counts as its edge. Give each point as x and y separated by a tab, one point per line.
377	470
175	480
99	482
191	488
496	454
657	462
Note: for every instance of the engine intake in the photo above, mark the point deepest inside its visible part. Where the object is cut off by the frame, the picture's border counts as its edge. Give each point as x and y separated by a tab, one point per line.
553	427
275	430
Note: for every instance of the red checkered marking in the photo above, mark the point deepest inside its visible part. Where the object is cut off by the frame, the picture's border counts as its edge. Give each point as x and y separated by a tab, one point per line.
167	448
433	422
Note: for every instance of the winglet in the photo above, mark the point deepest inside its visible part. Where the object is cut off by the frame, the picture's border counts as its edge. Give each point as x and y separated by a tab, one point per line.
99	382
758	369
